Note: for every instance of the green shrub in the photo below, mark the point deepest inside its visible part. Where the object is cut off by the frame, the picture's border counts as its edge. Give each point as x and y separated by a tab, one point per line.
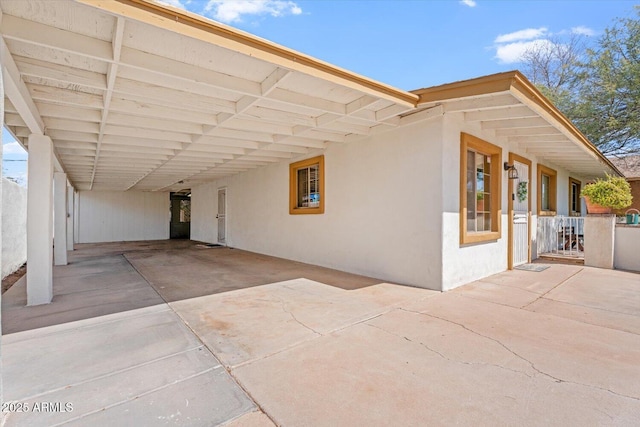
612	192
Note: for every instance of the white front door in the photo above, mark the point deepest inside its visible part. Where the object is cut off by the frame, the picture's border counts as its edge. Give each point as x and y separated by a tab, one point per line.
520	227
222	215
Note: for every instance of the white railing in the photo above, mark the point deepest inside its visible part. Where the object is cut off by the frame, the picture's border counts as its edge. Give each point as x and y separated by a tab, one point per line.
561	235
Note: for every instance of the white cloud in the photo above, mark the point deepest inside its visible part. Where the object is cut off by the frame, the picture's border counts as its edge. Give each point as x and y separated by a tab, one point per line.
582	31
175	3
470	3
13	148
512	52
521	35
234	10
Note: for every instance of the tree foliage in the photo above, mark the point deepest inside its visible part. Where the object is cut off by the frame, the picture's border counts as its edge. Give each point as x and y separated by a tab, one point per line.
598	88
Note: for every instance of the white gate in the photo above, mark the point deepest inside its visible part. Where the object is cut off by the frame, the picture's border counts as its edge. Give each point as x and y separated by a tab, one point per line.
520	226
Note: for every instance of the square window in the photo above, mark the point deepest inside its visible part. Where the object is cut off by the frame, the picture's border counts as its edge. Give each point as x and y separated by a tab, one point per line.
306	186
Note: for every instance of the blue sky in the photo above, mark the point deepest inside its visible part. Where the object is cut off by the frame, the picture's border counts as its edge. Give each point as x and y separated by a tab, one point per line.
409	44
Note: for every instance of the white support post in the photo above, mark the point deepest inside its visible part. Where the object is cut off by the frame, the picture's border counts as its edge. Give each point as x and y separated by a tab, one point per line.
40	220
60	218
70	214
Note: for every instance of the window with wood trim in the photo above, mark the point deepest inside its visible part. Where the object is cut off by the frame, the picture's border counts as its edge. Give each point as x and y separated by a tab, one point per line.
306	186
574	197
547	190
480	184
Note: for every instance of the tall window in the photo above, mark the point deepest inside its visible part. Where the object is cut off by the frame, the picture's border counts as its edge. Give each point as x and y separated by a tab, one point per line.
480	201
574	197
306	186
547	190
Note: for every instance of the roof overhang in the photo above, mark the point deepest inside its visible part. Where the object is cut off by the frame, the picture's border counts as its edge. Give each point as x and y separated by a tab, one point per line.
138	95
511	106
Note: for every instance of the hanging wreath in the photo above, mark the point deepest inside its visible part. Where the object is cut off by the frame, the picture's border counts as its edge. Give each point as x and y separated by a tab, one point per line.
522	191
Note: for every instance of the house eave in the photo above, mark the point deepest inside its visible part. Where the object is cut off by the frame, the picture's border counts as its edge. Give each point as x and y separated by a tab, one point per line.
516	84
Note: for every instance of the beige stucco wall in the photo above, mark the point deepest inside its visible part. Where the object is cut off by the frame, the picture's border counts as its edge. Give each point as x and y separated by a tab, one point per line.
382	209
110	216
14	226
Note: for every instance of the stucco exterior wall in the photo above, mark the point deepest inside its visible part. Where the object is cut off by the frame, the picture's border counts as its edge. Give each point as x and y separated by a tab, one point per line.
14	226
105	216
382	209
465	263
625	255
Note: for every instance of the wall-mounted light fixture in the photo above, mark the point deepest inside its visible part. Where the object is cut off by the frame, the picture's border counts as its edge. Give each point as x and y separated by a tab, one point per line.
513	172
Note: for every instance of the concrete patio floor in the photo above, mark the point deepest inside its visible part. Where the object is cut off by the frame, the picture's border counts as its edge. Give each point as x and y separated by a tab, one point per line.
170	333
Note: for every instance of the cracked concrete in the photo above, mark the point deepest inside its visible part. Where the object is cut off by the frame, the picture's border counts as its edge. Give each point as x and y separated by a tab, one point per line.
559	347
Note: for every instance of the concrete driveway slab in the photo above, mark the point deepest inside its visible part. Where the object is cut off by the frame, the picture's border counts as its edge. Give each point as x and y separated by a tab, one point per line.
538	282
316	347
562	349
249	324
402	369
143	366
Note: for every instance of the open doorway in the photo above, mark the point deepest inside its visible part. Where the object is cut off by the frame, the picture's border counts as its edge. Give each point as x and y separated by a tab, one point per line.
180	226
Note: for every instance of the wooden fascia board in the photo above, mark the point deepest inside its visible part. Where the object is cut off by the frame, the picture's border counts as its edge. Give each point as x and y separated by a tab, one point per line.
487	85
198	27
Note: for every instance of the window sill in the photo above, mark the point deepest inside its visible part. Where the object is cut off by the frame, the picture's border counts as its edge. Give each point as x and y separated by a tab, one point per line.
306	211
490	236
547	213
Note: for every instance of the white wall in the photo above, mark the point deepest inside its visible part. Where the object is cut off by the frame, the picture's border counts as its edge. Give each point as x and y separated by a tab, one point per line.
106	216
382	209
14	226
625	253
463	264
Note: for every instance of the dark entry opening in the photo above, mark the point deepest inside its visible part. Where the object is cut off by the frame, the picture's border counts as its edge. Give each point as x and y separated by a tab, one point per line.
180	227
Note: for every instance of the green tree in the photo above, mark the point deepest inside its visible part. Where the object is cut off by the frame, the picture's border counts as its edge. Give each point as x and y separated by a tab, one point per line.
608	101
598	88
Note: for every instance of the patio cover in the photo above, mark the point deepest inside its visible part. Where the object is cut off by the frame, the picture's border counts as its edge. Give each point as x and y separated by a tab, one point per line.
137	95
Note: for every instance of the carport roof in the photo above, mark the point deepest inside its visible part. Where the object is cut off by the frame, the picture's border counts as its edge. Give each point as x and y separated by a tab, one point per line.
138	95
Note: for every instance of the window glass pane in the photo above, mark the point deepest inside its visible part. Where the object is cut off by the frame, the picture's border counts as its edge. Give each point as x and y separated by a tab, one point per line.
314	190
309	187
487	222
544	197
471	191
303	187
480	222
487	202
185	210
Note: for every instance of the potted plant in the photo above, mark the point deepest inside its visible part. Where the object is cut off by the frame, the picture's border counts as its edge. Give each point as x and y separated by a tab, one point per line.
604	195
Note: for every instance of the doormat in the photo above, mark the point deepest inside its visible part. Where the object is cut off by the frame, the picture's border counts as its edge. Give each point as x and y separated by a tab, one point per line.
210	245
532	267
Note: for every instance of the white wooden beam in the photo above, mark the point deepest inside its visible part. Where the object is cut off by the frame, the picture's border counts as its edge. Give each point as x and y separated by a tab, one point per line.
480	103
516	112
515	123
272	80
544	130
15	28
17	91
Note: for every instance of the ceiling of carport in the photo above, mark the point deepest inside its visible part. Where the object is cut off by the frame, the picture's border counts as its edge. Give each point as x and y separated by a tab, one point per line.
132	104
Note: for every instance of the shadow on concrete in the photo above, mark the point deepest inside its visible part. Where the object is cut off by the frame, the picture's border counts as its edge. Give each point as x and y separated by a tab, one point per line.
109	278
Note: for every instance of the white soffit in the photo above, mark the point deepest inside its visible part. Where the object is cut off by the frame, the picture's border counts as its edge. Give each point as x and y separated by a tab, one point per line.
513	116
135	105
